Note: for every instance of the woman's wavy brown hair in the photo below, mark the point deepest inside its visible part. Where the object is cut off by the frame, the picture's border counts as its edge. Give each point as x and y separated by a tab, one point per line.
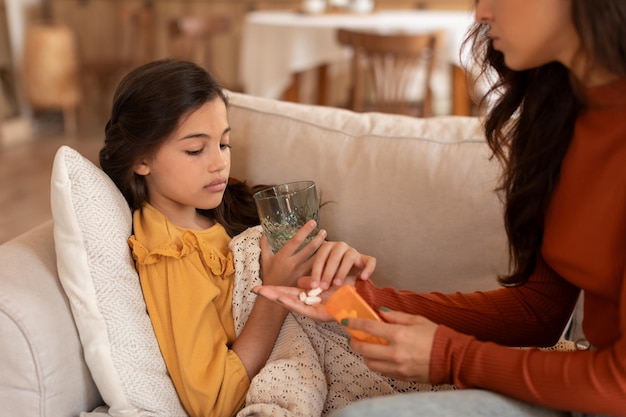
530	124
147	106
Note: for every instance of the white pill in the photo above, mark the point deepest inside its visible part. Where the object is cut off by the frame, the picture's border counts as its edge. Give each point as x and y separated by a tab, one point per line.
302	296
314	292
312	300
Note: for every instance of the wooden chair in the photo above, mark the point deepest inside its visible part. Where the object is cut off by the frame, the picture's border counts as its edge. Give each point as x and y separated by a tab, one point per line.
190	37
391	73
135	40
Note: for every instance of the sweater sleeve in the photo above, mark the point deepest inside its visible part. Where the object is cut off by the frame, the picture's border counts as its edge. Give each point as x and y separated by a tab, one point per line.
591	381
473	344
190	314
533	314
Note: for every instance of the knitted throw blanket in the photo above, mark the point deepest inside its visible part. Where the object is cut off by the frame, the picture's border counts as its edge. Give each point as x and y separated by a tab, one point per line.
312	371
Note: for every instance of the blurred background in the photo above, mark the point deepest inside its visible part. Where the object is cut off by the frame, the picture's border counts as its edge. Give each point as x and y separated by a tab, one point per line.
60	61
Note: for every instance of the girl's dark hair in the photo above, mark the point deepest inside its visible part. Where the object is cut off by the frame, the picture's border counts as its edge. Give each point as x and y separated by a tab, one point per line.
530	125
147	106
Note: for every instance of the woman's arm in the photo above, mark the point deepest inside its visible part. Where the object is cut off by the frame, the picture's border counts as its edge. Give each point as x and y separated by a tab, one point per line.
534	314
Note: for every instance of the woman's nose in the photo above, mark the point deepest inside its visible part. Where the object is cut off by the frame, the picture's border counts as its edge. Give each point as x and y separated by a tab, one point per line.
484	11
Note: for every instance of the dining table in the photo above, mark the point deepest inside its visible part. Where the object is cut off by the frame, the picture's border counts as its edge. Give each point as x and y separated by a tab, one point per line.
279	46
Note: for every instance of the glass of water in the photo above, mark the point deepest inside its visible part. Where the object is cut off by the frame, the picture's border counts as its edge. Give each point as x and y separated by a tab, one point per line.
285	208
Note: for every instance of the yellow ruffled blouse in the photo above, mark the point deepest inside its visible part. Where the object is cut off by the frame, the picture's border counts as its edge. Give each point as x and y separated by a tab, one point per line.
187	279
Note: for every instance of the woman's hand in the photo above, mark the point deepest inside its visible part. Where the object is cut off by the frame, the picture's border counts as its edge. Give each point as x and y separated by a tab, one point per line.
407	353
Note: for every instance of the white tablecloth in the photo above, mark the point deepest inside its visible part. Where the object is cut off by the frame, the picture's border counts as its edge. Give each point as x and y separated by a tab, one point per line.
275	45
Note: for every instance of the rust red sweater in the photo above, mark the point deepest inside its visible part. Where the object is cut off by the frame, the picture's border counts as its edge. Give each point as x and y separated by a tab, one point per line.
584	248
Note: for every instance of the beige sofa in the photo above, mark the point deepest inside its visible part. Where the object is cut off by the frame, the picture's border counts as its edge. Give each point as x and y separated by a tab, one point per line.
416	193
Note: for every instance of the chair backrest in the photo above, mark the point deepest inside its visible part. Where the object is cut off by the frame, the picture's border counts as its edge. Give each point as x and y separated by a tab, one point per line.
131	43
190	37
138	43
391	73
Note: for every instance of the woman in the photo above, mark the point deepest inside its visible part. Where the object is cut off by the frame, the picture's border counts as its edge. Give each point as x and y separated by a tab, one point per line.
559	127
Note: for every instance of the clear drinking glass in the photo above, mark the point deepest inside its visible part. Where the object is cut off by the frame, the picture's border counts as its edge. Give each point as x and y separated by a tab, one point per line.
285	208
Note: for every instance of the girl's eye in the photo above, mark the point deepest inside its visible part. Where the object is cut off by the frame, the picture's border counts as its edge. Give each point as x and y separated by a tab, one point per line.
224	146
198	152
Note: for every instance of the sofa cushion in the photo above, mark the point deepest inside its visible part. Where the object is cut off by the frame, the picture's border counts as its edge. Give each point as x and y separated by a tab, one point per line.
92	223
416	193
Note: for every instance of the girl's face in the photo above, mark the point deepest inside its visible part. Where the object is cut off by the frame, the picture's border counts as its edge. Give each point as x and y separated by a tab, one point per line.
530	33
190	170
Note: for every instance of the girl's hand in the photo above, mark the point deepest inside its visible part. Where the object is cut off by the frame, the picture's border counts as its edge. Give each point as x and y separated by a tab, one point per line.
289	264
334	261
407	353
288	297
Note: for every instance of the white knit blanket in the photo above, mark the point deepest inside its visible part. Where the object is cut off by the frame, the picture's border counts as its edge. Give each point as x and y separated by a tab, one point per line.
312	371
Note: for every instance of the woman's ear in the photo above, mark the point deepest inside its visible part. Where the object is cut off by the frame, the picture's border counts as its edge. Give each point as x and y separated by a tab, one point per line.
142	168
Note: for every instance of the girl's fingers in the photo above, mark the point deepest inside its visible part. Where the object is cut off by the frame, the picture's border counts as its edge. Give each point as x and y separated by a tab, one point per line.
313	246
296	241
289	298
273	292
338	257
318	265
368	268
336	260
266	250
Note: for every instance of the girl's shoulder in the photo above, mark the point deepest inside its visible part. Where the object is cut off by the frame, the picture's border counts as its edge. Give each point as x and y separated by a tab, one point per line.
154	235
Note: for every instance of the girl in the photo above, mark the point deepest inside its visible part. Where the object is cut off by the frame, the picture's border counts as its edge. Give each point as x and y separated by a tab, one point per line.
559	126
168	150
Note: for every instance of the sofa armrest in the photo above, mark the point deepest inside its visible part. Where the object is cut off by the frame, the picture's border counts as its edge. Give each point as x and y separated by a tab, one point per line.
43	371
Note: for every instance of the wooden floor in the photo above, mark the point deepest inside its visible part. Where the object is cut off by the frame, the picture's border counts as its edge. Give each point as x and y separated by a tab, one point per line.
25	176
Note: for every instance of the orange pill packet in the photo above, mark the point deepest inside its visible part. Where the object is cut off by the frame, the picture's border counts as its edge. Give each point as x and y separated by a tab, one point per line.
346	303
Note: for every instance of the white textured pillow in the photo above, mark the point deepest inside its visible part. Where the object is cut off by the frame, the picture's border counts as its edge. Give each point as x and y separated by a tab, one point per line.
92	223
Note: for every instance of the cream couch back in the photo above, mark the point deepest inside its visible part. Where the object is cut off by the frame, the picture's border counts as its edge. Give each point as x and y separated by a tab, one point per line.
418	194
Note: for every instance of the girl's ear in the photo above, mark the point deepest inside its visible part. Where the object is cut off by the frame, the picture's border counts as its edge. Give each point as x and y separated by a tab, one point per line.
141	168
